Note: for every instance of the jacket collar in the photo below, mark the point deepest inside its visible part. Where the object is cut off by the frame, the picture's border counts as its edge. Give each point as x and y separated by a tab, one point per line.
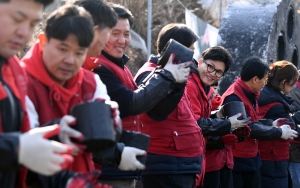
269	95
118	61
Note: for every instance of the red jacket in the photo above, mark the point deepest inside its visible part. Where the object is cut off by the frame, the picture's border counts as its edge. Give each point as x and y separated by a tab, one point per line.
14	76
131	123
178	135
201	104
272	150
52	100
249	147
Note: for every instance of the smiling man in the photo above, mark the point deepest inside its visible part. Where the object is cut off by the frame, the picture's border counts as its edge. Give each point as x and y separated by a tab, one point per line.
111	67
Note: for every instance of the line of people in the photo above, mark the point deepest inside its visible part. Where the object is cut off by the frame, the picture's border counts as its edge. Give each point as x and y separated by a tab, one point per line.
81	57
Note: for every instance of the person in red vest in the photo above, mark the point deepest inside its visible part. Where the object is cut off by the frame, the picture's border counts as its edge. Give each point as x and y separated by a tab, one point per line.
110	65
18	20
215	61
246	156
273	104
56	83
180	139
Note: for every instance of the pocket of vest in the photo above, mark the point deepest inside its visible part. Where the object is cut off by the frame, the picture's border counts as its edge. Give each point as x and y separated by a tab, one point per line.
187	139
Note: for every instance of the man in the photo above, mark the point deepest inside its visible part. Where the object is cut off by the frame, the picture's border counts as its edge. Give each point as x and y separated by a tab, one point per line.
111	68
18	20
57	83
215	61
247	162
105	19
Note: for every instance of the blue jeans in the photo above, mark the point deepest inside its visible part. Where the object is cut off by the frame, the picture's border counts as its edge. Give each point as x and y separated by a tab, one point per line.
294	169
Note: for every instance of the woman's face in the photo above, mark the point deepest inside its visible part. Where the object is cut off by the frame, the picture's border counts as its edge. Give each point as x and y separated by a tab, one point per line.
287	86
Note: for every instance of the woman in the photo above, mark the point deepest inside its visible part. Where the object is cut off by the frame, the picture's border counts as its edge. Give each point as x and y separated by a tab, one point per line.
176	146
273	104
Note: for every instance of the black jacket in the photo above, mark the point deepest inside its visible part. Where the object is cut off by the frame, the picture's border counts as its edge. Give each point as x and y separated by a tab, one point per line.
11	116
144	99
269	95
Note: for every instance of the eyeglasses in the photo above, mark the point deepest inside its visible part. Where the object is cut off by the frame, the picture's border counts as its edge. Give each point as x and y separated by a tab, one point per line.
211	69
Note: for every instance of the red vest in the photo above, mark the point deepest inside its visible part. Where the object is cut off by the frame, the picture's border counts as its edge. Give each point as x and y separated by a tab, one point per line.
54	101
272	150
249	147
201	104
131	123
15	78
178	135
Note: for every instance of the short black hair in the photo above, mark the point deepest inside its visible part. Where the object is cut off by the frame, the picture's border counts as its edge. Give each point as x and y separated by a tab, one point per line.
252	67
218	53
122	12
43	2
70	19
177	31
103	15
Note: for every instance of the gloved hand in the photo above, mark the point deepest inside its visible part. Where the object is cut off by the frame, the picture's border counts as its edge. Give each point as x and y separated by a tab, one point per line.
288	133
283	121
243	131
86	180
41	155
230	139
235	123
67	132
129	161
179	71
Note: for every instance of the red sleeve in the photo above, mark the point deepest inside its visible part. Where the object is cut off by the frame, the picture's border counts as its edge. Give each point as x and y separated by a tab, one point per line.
193	93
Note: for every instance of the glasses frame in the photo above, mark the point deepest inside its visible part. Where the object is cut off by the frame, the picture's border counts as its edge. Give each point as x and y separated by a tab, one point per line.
209	66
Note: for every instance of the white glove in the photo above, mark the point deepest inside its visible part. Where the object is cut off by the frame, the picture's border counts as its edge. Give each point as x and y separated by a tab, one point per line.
67	132
287	132
179	71
41	155
235	123
129	161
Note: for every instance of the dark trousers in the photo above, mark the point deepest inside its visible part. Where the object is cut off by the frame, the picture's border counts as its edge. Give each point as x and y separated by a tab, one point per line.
274	174
218	179
246	180
168	181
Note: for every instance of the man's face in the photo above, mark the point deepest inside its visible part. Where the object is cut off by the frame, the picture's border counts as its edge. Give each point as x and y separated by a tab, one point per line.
209	71
63	59
100	39
18	19
119	39
260	83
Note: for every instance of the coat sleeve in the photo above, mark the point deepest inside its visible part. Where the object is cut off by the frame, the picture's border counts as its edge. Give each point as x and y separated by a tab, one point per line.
258	130
214	127
166	105
209	126
9	144
32	114
100	91
262	132
116	90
